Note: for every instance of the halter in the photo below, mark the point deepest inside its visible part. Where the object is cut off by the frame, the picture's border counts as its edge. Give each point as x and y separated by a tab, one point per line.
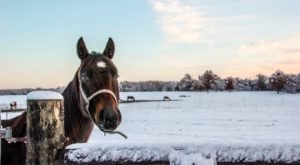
88	99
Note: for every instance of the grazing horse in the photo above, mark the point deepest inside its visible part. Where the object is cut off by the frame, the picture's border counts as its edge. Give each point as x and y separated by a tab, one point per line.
90	98
130	98
166	98
13	105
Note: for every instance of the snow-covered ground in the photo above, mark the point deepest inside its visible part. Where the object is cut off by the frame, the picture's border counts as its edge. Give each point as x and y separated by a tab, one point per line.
228	126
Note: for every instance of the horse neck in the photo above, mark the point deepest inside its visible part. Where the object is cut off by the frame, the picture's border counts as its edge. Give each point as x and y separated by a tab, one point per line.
77	126
17	124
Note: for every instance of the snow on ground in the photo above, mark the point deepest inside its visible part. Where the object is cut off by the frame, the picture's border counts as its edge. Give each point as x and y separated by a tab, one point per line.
229	126
6	100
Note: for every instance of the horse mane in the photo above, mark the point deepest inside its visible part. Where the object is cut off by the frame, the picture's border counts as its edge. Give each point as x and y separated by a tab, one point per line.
73	116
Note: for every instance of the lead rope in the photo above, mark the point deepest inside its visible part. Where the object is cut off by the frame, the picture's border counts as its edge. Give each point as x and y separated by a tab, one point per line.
88	99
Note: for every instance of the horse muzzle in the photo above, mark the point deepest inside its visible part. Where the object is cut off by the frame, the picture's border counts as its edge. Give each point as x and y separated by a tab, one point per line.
109	119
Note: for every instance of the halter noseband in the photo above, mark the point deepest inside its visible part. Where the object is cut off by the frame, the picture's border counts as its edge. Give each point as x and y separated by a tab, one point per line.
88	99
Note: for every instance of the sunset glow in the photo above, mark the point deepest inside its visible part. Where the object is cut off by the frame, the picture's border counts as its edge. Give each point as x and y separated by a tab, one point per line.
155	39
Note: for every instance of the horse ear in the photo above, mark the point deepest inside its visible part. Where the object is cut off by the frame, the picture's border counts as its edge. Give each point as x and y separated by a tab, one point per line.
82	51
109	49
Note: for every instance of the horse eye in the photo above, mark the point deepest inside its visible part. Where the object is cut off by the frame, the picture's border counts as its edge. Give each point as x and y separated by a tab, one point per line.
84	77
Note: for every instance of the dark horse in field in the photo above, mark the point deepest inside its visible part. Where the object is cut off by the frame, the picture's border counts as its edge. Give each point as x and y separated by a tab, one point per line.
90	98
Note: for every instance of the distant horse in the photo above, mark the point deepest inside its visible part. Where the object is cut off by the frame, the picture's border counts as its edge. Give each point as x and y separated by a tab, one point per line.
130	98
13	105
90	98
166	98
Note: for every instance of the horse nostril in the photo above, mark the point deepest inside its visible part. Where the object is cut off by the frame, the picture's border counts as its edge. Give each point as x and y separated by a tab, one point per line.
109	119
110	125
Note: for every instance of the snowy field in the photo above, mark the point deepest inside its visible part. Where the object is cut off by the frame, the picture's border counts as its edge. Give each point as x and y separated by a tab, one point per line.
227	126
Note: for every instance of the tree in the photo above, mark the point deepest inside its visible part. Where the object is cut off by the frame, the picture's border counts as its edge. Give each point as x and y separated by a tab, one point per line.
185	83
291	83
208	79
298	83
278	81
229	84
196	85
261	82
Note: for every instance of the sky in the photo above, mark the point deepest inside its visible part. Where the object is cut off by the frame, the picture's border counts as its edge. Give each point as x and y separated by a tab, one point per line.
154	39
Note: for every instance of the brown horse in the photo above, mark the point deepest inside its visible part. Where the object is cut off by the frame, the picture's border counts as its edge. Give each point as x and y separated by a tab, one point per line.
130	98
13	105
90	98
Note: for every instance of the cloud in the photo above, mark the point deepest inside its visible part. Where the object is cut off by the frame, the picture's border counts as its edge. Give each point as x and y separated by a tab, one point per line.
270	55
288	46
180	22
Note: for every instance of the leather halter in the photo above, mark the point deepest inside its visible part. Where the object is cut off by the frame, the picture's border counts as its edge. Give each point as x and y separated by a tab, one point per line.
88	99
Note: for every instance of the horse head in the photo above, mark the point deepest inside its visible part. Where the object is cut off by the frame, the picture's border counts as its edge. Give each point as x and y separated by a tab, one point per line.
98	86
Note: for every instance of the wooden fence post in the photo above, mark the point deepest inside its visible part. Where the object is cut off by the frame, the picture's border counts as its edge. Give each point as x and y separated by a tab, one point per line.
45	127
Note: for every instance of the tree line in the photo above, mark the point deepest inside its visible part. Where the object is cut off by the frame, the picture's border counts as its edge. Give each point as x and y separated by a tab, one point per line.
209	81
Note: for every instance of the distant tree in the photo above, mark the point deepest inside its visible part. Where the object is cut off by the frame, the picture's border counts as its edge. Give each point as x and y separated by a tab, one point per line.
261	82
291	83
196	85
298	82
208	79
229	84
185	83
278	80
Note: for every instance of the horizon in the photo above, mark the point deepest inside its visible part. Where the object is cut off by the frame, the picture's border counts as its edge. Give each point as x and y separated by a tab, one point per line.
155	39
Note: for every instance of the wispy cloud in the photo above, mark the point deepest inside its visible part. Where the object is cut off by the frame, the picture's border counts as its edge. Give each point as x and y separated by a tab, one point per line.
180	22
282	53
288	46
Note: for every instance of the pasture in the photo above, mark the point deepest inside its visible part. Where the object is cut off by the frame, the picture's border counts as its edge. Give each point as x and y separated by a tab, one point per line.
202	127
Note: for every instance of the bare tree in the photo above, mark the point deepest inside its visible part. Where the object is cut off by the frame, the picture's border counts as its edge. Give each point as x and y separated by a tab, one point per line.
185	83
229	84
261	82
208	79
278	80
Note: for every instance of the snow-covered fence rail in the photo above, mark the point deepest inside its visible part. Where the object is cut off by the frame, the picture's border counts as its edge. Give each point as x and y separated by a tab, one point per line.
45	126
183	154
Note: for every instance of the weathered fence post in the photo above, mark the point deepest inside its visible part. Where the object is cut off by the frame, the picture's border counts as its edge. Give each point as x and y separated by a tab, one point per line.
45	127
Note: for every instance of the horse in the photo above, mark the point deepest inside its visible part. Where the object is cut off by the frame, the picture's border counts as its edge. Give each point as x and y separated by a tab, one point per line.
91	98
13	105
130	98
166	98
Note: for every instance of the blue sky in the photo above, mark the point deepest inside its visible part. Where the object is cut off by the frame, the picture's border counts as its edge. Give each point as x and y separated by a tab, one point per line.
155	39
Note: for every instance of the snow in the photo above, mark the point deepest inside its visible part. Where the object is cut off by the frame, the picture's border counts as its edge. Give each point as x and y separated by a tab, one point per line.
7	99
44	95
202	128
185	153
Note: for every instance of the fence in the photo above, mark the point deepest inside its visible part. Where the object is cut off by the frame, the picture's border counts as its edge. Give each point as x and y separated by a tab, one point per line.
45	127
45	134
